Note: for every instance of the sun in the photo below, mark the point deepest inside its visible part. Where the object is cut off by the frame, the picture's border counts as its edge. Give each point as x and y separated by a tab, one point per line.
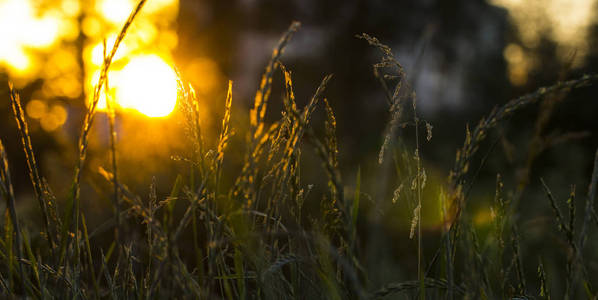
148	85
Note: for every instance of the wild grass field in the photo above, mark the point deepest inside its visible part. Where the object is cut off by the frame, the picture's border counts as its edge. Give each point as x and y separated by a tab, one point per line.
265	230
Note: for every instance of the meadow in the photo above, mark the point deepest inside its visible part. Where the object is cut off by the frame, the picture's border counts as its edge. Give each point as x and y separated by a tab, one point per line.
265	230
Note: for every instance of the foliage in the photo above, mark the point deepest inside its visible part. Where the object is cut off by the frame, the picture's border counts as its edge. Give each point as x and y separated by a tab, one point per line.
257	239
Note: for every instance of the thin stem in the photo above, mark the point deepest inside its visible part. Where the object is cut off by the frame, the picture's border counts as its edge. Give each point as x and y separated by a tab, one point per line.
110	105
8	193
38	186
420	274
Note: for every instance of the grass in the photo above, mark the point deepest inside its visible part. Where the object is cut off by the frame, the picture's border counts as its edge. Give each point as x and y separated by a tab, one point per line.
258	239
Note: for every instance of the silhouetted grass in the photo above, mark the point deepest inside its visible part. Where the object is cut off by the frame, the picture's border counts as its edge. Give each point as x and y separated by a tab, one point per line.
256	239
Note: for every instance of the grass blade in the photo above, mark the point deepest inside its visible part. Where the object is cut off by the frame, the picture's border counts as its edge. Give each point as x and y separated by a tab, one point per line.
6	190
72	218
19	115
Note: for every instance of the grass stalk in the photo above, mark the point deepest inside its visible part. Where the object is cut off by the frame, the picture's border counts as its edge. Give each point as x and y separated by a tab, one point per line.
34	175
264	237
7	192
73	222
111	111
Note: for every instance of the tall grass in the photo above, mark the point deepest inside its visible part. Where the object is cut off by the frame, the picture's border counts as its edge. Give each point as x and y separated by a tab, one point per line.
257	239
12	224
38	186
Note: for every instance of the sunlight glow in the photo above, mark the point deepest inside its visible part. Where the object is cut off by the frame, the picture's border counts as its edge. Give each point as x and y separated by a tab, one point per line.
140	76
566	22
148	85
115	11
97	51
61	42
20	29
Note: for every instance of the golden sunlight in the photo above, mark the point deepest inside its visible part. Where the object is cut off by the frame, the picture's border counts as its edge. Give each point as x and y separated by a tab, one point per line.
34	32
62	42
567	23
115	11
148	85
140	76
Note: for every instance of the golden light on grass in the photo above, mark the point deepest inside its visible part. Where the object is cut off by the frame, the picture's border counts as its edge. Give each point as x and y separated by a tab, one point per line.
97	51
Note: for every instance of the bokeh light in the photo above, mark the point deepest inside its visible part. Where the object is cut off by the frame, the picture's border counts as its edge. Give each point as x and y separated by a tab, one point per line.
62	43
22	31
565	22
50	117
